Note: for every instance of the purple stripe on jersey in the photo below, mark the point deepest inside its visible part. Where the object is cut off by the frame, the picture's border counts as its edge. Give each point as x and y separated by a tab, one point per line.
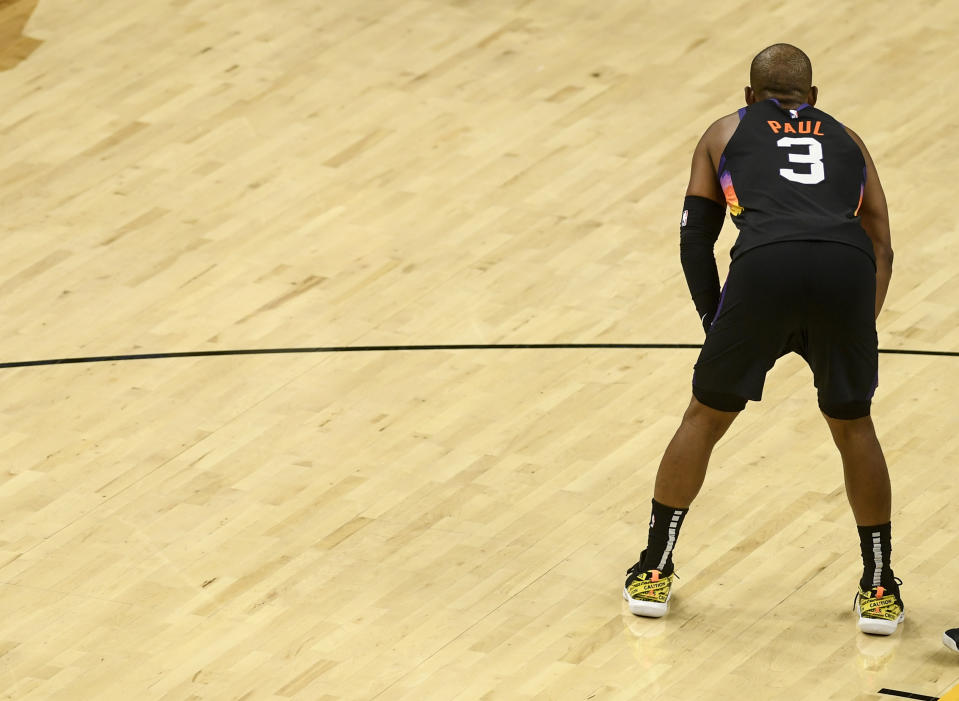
722	162
779	105
719	307
742	113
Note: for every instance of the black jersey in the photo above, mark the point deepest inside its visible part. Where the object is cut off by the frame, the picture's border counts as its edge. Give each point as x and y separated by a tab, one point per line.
793	175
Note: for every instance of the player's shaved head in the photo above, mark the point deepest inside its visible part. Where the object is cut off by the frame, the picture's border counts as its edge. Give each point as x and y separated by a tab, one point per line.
781	71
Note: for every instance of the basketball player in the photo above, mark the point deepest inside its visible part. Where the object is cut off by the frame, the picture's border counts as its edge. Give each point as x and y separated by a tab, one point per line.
808	274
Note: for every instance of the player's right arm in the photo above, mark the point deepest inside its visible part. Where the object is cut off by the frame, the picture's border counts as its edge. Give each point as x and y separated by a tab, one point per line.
874	217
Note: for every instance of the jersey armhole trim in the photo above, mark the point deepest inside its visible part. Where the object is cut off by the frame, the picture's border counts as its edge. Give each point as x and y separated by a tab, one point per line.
722	156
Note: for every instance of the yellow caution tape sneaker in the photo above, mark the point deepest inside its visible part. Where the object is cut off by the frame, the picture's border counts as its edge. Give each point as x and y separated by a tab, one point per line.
647	591
880	610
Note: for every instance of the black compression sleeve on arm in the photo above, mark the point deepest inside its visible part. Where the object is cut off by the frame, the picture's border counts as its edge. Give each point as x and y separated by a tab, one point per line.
701	224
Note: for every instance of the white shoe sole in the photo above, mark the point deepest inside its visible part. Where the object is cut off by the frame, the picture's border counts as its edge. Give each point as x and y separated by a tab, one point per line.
950	643
877	626
647	609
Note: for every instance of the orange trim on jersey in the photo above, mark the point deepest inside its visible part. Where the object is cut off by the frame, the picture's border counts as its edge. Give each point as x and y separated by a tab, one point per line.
726	182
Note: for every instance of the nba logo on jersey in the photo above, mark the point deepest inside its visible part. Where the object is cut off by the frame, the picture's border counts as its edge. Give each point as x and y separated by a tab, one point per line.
685	217
794	114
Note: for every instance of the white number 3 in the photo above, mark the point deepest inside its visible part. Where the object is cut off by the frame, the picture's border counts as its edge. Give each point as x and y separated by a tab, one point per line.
812	157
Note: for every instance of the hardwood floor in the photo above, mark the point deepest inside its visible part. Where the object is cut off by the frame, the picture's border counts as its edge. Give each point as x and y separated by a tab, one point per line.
184	175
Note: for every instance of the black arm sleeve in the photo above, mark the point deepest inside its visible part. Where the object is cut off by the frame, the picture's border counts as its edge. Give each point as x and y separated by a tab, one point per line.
702	222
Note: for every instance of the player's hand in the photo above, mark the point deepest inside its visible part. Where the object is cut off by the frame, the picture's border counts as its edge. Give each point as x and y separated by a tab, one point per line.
707	321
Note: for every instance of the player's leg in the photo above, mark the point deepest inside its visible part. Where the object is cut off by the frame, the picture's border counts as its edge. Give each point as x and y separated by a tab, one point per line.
868	489
842	351
678	481
746	338
864	469
750	332
869	492
683	467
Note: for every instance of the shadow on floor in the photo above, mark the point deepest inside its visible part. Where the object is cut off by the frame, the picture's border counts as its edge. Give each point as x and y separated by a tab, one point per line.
14	46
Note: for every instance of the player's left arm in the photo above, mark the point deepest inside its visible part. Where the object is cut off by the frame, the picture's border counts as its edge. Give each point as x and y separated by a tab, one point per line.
703	212
874	217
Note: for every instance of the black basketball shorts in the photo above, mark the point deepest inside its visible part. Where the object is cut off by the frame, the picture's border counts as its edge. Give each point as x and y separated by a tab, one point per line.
813	298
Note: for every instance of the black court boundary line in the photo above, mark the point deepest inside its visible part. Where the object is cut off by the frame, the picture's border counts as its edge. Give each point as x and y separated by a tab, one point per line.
371	349
908	695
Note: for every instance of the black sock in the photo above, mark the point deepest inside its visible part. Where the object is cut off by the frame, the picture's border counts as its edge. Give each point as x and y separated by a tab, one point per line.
664	524
875	542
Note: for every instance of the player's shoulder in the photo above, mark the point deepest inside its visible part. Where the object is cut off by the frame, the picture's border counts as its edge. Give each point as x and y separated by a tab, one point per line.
845	128
860	143
816	112
724	125
718	134
854	136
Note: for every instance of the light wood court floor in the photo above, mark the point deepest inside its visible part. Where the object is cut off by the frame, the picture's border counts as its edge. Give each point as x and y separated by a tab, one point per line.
180	175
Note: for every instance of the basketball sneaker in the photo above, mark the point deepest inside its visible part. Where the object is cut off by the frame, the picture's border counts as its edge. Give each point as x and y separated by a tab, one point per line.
647	591
880	610
951	639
